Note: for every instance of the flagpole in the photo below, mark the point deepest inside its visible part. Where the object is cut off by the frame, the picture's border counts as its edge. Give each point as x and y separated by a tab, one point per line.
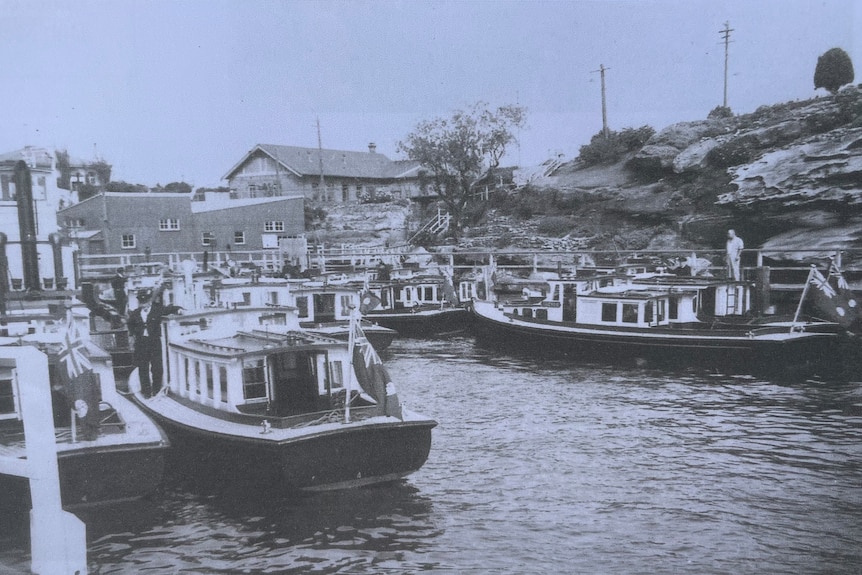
804	293
349	383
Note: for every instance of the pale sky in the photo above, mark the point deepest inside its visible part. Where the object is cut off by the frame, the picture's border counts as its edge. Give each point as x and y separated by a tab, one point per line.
180	90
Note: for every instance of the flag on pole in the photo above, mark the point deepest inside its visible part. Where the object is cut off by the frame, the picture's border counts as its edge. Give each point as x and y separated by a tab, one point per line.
373	376
81	384
837	303
368	302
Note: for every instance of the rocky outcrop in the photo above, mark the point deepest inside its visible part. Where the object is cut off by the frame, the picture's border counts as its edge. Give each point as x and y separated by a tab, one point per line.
826	168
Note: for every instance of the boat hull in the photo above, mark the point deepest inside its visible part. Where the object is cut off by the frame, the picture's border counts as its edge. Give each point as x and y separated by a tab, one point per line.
422	323
779	353
317	461
97	476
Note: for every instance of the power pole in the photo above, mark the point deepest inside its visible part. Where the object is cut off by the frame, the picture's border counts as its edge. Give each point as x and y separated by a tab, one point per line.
725	34
320	158
605	130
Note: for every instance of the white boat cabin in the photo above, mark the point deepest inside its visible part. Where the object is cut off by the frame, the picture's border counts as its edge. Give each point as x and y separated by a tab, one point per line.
615	301
254	361
414	292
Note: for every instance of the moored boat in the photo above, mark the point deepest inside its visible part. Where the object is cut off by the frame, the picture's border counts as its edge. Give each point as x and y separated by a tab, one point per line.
423	305
251	391
108	450
683	321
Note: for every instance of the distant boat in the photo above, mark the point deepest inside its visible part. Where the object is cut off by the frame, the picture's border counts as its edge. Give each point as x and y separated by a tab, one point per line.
423	305
108	450
252	392
681	320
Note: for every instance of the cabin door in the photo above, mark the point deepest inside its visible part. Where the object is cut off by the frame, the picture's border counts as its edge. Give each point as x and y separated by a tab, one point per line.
294	383
324	307
570	303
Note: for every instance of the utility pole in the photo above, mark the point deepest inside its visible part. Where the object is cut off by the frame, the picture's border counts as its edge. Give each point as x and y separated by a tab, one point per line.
605	130
725	34
320	158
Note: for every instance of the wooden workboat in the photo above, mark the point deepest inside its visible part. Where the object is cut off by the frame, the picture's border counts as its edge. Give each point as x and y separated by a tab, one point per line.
251	391
108	450
423	305
680	320
322	306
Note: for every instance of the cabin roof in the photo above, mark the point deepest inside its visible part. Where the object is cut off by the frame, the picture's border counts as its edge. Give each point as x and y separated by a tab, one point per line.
257	342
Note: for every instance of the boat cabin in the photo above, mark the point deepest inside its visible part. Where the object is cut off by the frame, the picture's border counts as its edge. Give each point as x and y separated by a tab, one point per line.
414	293
617	301
256	362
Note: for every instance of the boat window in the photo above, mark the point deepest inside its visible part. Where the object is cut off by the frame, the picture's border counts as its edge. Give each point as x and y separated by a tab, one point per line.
429	293
222	380
253	379
7	399
648	312
337	374
541	313
273	298
609	311
210	382
528	312
556	296
630	313
302	304
187	374
246	298
673	308
661	305
346	304
198	377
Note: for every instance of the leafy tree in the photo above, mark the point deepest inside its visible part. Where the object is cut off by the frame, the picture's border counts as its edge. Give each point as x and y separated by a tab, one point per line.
458	149
103	170
178	188
834	69
121	186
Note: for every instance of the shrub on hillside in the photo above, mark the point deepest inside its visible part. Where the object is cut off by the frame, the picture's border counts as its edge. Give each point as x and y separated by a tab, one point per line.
733	153
720	112
555	226
610	149
834	69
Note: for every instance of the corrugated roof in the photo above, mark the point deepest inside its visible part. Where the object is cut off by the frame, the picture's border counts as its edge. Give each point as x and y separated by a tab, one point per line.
336	163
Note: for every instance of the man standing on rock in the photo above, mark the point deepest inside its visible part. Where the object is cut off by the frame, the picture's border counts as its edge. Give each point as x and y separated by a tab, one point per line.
734	252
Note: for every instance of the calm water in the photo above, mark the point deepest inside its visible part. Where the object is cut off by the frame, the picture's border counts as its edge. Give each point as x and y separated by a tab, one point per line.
542	466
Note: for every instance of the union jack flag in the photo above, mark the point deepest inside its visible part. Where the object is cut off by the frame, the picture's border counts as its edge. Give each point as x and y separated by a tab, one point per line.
72	349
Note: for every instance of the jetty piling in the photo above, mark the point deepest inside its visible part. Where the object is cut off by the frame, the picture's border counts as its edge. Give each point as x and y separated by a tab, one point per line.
58	543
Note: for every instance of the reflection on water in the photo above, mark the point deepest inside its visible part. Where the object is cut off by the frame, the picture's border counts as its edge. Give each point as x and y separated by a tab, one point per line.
540	465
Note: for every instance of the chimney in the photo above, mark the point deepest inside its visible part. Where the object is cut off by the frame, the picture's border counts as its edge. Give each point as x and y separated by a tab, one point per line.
372	148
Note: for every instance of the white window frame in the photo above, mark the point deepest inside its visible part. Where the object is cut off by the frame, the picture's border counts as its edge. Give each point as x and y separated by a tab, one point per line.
207	238
169	225
273	226
241	235
16	406
128	245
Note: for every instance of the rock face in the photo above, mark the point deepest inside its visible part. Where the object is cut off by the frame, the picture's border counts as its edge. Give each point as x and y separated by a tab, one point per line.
770	173
817	169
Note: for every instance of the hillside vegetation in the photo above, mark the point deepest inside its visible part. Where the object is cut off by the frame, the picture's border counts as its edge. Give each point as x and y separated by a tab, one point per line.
787	175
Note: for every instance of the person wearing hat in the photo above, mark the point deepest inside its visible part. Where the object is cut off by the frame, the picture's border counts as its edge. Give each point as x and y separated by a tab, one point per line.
145	326
118	284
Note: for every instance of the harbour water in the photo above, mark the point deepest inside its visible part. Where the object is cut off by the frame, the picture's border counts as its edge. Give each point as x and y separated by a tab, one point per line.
539	465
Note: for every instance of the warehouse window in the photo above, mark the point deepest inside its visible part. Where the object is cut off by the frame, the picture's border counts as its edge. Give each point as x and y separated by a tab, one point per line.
127	242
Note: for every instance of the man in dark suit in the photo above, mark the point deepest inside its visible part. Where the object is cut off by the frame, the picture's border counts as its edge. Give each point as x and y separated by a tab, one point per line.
118	284
145	325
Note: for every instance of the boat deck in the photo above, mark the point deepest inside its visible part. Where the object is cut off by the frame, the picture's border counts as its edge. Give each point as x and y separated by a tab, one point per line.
139	431
328	422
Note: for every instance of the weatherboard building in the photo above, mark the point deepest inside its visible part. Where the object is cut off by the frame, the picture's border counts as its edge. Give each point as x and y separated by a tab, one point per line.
324	176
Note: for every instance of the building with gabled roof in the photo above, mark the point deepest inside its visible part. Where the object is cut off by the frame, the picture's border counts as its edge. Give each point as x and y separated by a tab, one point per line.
323	175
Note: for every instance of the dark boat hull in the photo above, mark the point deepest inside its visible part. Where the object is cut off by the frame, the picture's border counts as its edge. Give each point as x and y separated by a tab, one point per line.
97	476
348	457
786	357
422	323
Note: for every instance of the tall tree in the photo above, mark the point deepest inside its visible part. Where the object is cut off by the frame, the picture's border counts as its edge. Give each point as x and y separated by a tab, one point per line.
834	69
456	150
